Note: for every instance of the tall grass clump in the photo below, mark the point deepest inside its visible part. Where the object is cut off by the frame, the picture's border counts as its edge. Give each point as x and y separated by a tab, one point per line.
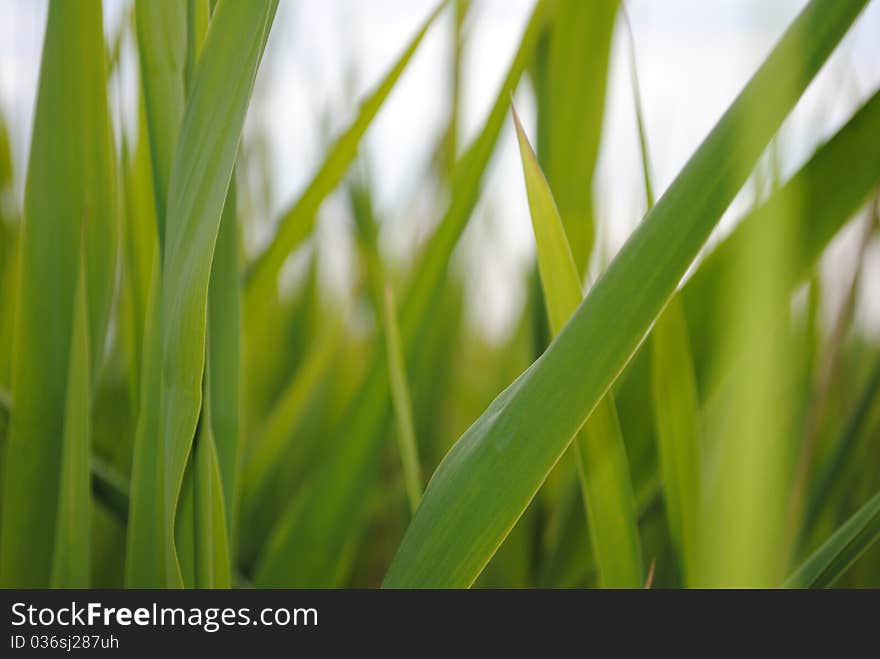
183	406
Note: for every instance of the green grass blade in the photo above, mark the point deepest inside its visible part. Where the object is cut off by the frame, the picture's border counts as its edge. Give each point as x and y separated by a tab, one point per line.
200	175
832	465
841	550
210	537
70	558
110	489
326	519
139	239
673	386
827	190
4	414
599	448
224	350
162	41
676	412
278	439
149	557
465	515
297	222
406	436
71	179
579	51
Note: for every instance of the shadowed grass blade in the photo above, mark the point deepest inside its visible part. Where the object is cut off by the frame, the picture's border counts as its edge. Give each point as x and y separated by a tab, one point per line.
841	550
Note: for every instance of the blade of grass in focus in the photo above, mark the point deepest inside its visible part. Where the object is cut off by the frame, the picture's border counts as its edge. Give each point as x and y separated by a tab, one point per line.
200	176
841	550
599	449
406	437
464	516
70	179
324	521
70	557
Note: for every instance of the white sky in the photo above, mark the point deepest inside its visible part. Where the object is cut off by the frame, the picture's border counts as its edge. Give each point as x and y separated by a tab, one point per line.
693	57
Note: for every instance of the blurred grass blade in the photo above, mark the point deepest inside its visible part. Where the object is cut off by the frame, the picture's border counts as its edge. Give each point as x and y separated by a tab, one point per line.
162	49
210	536
841	550
71	565
297	222
197	18
406	437
4	414
601	455
200	176
272	440
139	239
673	385
110	488
833	464
224	351
465	515
149	557
71	179
579	51
827	190
676	414
324	521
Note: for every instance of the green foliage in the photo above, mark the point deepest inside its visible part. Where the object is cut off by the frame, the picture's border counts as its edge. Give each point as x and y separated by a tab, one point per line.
183	405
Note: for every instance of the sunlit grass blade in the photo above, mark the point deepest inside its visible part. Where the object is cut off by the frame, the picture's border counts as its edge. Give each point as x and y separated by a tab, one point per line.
325	520
841	550
297	222
71	555
200	176
464	514
599	449
162	39
406	437
70	180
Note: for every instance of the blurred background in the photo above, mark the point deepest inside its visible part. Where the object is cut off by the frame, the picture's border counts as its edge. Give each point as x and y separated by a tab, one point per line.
693	57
